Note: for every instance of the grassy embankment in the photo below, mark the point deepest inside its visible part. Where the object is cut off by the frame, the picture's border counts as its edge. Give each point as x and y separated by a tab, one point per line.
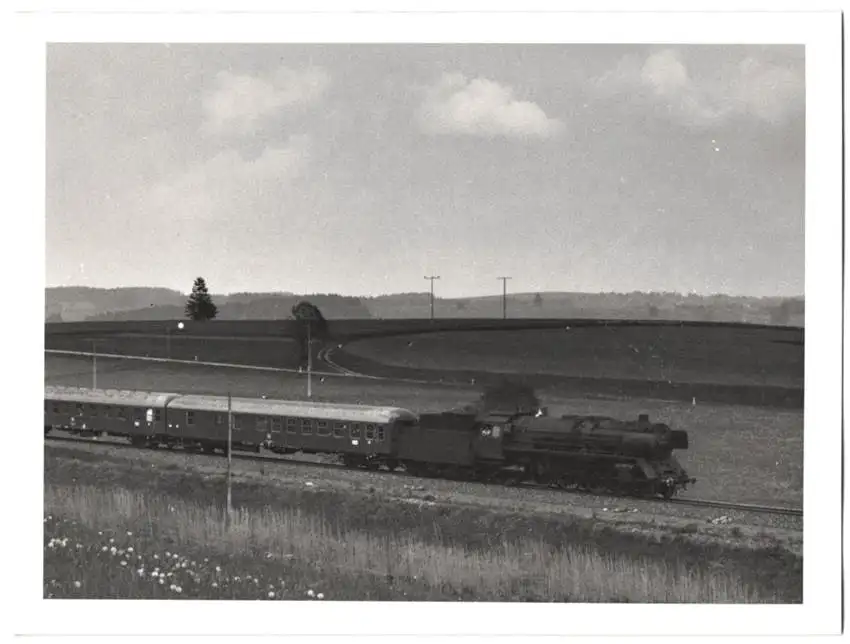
287	543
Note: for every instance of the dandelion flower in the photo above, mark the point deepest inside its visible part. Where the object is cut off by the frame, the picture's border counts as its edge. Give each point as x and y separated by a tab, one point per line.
104	549
113	550
218	568
175	556
100	533
172	587
130	549
156	557
77	584
271	594
206	560
161	581
141	572
236	578
112	541
129	534
121	551
79	545
215	584
320	596
310	593
50	545
179	589
183	565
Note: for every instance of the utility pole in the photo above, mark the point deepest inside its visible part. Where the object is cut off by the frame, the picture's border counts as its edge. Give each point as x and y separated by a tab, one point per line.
504	296
229	507
94	364
432	278
309	360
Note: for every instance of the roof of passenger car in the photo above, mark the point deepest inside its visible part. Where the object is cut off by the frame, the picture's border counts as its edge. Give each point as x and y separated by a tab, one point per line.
294	408
108	396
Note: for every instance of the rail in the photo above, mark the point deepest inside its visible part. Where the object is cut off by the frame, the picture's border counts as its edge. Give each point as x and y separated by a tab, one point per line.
251	456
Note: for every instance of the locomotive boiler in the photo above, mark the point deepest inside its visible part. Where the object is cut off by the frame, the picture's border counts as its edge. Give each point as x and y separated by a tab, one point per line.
583	452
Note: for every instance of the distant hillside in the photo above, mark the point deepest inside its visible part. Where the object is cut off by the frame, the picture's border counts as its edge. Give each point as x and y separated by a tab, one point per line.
249	306
643	306
77	304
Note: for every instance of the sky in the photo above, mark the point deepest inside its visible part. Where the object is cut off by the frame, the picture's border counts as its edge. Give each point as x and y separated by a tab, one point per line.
361	169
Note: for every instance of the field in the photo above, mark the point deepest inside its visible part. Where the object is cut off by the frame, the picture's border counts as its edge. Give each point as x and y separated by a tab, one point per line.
730	355
737	453
125	533
716	363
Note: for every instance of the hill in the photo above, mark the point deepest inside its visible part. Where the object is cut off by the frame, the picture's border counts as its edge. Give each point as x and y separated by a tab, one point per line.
70	304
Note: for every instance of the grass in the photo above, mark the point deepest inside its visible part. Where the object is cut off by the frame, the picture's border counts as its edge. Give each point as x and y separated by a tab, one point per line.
584	353
349	547
737	453
729	355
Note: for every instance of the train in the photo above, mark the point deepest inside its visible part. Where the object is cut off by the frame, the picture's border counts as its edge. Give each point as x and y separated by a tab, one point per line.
599	453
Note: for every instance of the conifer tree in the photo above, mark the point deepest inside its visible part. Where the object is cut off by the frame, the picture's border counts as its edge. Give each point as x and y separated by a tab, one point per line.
200	306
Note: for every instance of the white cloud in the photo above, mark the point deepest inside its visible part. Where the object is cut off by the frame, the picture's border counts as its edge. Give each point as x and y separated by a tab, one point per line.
751	87
227	185
482	107
238	101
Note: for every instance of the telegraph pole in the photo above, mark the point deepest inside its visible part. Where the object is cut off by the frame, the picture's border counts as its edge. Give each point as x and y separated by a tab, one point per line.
229	508
432	278
504	296
309	360
94	364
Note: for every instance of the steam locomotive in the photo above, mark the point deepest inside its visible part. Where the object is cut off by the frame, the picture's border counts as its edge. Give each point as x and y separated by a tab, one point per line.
585	452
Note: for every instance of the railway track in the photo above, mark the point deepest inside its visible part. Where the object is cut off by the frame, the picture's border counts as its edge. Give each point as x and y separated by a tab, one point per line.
252	456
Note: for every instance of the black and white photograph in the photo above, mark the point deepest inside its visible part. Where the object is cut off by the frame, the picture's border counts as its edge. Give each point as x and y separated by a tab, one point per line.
383	323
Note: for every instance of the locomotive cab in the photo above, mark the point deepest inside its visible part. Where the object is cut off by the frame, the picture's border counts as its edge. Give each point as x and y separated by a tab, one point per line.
489	436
